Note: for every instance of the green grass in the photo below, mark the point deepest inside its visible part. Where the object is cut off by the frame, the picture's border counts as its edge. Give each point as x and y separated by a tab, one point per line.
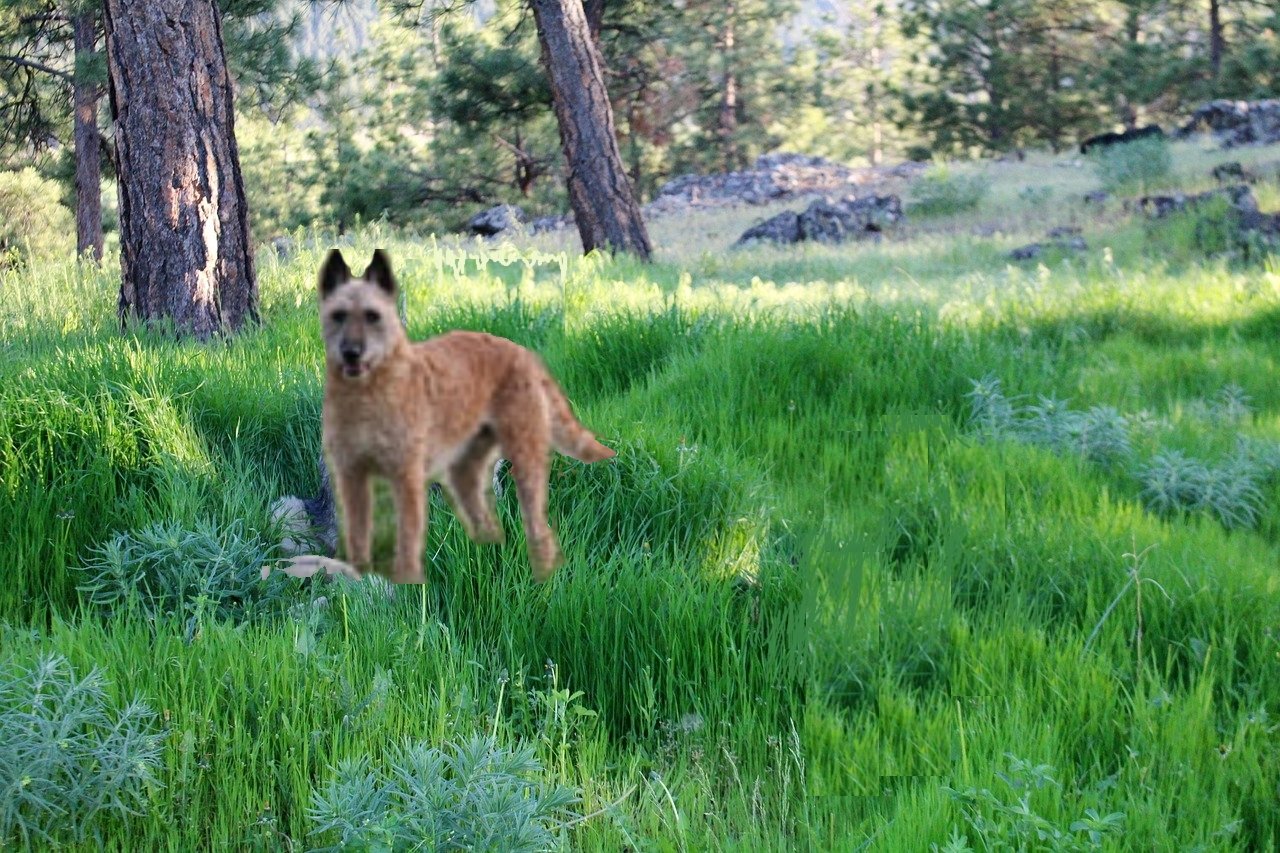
809	606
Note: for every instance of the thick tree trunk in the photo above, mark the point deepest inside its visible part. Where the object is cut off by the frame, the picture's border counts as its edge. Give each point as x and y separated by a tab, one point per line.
184	228
603	201
86	94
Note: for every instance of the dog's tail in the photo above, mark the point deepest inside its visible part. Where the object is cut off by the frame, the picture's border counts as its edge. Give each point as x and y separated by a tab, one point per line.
568	435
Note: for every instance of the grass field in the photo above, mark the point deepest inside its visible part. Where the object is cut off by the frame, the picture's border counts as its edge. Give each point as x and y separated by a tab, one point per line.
905	545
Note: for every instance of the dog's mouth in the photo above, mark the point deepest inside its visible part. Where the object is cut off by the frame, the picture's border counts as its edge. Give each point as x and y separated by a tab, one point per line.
354	370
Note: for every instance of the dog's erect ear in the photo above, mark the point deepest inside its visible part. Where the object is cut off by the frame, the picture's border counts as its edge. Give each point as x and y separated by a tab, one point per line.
379	272
333	273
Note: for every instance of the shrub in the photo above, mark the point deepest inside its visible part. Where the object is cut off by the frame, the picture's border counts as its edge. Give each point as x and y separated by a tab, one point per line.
470	796
66	757
1134	165
33	224
940	191
165	569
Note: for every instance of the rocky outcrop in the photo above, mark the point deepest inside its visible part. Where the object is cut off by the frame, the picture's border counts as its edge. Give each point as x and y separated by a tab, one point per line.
826	221
1237	123
496	220
774	177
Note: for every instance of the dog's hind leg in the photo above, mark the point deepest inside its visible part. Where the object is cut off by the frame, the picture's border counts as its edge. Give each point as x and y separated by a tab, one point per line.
524	432
468	483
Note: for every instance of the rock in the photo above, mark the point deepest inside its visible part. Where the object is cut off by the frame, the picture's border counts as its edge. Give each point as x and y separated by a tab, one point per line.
549	223
283	247
1239	197
1105	140
1232	171
827	221
495	220
1097	197
1237	123
783	228
1064	238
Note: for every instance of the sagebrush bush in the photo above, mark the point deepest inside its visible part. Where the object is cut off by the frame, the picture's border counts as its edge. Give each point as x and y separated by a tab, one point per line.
1170	482
67	757
167	569
940	191
1136	165
475	795
33	223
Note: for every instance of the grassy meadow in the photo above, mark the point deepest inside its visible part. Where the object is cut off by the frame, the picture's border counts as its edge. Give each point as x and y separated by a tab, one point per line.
906	545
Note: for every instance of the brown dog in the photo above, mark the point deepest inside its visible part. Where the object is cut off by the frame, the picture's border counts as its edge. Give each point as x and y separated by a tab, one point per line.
439	410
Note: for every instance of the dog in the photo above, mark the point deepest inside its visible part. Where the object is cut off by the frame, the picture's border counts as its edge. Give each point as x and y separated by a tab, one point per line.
441	410
1106	140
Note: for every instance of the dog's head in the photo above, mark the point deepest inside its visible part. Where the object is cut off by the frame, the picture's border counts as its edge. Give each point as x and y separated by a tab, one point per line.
358	315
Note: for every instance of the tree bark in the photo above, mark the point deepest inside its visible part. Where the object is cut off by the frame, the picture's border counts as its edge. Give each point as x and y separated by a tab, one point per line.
184	231
602	198
88	152
1217	42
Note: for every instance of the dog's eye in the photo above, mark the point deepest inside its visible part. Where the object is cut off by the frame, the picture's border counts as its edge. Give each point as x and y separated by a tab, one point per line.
372	316
338	317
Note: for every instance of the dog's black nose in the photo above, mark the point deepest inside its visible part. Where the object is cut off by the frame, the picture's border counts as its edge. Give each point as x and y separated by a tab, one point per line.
351	355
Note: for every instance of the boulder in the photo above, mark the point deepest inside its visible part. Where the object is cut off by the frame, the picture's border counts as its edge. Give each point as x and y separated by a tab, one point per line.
783	228
495	220
1097	197
826	221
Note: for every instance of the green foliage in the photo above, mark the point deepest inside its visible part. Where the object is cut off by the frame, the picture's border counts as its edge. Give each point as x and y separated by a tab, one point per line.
1010	821
69	761
467	796
1133	166
167	570
33	224
942	190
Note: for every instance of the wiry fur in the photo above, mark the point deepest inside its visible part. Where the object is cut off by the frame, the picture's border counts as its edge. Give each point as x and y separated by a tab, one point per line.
440	410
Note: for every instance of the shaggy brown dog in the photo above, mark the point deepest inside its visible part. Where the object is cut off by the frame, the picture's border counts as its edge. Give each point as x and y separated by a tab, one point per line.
439	410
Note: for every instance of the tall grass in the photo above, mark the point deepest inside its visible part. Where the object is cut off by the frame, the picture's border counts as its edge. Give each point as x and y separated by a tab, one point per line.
811	605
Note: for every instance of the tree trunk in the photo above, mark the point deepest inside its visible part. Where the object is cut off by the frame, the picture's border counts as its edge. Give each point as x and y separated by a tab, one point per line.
727	126
86	93
594	10
184	230
603	201
1217	43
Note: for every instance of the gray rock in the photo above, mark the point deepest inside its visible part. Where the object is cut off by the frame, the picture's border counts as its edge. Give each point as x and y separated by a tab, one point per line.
783	228
826	221
1238	196
495	220
1097	197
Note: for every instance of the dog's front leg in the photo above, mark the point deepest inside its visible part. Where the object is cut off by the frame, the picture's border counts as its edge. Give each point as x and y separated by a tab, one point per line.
411	525
357	511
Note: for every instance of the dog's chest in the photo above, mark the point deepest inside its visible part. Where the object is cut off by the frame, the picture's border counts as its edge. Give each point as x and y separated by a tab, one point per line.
369	431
